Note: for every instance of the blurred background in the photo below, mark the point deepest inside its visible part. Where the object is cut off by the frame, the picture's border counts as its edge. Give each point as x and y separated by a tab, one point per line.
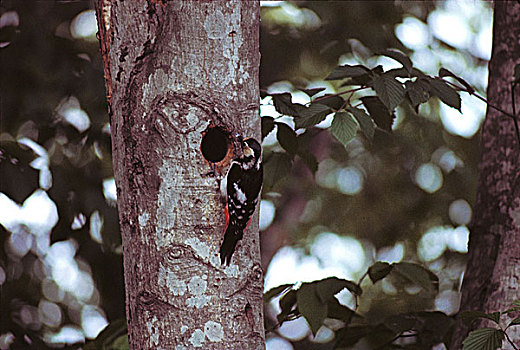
407	196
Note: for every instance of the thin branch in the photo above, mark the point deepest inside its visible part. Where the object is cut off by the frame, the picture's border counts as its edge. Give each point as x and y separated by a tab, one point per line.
482	99
509	340
338	94
507	114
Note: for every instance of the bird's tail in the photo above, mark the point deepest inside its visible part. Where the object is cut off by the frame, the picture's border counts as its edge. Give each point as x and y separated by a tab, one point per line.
231	238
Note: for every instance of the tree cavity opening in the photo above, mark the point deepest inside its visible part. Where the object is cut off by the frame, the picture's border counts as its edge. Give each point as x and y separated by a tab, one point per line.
214	145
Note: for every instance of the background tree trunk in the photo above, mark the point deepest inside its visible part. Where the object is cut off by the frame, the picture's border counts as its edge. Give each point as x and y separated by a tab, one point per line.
174	69
492	277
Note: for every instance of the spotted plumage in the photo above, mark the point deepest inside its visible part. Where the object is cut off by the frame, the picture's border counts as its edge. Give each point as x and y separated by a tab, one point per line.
243	183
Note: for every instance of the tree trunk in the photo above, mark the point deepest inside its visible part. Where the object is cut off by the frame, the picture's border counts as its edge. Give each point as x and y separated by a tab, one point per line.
174	71
491	281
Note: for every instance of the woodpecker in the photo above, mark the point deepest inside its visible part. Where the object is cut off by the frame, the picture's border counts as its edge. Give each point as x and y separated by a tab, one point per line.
242	186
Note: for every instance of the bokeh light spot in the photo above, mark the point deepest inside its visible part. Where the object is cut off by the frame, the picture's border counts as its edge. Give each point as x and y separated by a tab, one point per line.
429	177
460	212
413	33
84	25
349	180
267	211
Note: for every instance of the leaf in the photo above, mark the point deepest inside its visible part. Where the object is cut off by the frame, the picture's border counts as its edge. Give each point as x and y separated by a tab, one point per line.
379	270
312	115
447	94
328	287
365	122
271	293
443	72
276	167
469	316
347	71
309	160
338	311
287	138
399	57
333	101
343	127
418	92
400	323
283	104
484	339
267	126
287	304
416	274
378	111
310	306
514	322
349	336
312	92
434	322
389	90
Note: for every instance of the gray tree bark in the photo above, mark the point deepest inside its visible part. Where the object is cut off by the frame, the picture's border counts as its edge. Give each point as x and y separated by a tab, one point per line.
492	277
174	69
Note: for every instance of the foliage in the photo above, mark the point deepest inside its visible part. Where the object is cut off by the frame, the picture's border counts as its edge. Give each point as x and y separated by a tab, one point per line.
392	88
316	302
490	337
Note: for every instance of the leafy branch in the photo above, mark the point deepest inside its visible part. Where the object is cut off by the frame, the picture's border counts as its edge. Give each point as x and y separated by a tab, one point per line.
316	301
489	337
392	88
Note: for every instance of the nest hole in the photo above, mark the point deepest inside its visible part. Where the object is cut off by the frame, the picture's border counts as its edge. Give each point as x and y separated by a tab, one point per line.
214	144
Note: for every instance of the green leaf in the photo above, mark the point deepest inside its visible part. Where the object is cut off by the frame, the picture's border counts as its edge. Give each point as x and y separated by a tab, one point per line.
309	160
283	104
416	274
287	304
287	138
443	72
469	316
389	90
347	71
333	101
379	270
343	127
312	115
418	92
349	336
447	94
514	322
365	122
378	111
399	57
310	306
338	311
436	323
271	293
276	167
484	339
312	92
328	287
267	126
400	323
